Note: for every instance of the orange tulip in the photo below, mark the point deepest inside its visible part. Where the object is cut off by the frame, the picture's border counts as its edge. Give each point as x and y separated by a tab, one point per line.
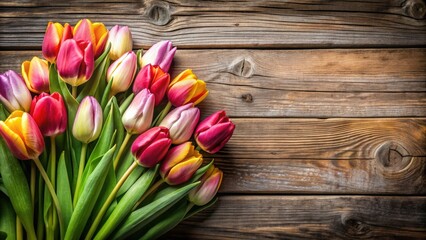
187	88
96	33
36	75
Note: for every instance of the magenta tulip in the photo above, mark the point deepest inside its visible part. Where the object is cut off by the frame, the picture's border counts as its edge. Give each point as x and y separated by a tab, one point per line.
214	132
14	94
154	79
181	122
54	36
49	113
151	146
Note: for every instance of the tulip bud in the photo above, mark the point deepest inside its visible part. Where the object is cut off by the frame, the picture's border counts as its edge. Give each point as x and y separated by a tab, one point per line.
180	163
49	113
138	116
210	183
187	88
120	38
214	132
154	79
160	54
151	146
96	33
88	120
181	122
122	72
75	62
14	94
36	75
54	36
22	135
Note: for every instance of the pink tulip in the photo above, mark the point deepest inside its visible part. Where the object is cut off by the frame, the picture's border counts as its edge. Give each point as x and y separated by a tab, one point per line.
160	54
22	135
121	41
138	116
181	122
49	113
36	75
180	164
210	183
14	94
154	79
214	132
54	36
151	146
122	72
75	62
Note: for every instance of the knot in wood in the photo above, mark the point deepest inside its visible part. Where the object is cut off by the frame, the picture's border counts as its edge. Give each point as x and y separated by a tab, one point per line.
415	9
355	227
248	98
392	157
159	13
243	67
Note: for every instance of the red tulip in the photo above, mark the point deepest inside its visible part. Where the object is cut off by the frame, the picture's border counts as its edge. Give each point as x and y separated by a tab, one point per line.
214	132
22	135
49	113
154	79
151	146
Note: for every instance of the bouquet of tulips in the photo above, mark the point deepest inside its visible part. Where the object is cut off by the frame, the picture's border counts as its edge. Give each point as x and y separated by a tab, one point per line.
114	147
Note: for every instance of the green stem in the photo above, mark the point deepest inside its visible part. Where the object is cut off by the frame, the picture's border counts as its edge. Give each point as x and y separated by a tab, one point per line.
149	192
80	172
52	218
33	183
109	200
74	91
198	148
189	207
19	230
52	193
164	113
121	150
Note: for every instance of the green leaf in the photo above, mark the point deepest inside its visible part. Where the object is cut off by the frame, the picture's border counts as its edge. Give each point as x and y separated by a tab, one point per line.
17	187
142	216
103	55
105	96
126	103
64	190
118	124
130	180
197	209
88	197
126	203
8	217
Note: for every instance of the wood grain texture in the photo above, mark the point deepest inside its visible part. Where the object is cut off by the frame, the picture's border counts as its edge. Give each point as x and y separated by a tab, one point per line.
229	24
308	217
301	83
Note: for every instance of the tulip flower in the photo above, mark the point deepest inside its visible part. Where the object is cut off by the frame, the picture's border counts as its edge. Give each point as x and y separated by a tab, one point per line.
160	54
88	120
14	94
121	41
49	113
138	116
36	75
151	146
180	163
210	183
122	72
154	79
75	62
181	122
54	36
214	132
187	88
96	33
22	135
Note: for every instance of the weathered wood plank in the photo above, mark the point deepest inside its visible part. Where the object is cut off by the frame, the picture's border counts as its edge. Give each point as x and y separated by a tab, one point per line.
392	175
302	83
308	217
229	24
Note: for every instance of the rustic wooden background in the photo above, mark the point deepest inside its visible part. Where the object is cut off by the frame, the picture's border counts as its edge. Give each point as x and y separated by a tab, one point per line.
329	99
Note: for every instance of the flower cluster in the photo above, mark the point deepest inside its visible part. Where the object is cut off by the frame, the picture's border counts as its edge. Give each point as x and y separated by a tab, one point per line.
117	142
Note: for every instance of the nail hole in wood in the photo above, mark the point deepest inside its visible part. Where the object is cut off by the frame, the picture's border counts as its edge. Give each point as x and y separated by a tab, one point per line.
248	98
415	8
159	13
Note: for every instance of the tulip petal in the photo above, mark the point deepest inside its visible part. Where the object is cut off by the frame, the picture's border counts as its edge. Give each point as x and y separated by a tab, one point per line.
154	153
14	142
183	171
174	156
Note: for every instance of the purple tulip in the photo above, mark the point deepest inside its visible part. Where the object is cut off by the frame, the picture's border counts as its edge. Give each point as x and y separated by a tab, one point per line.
14	94
160	54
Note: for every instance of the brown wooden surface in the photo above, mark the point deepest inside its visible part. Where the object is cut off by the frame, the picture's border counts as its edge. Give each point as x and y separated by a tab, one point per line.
329	99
